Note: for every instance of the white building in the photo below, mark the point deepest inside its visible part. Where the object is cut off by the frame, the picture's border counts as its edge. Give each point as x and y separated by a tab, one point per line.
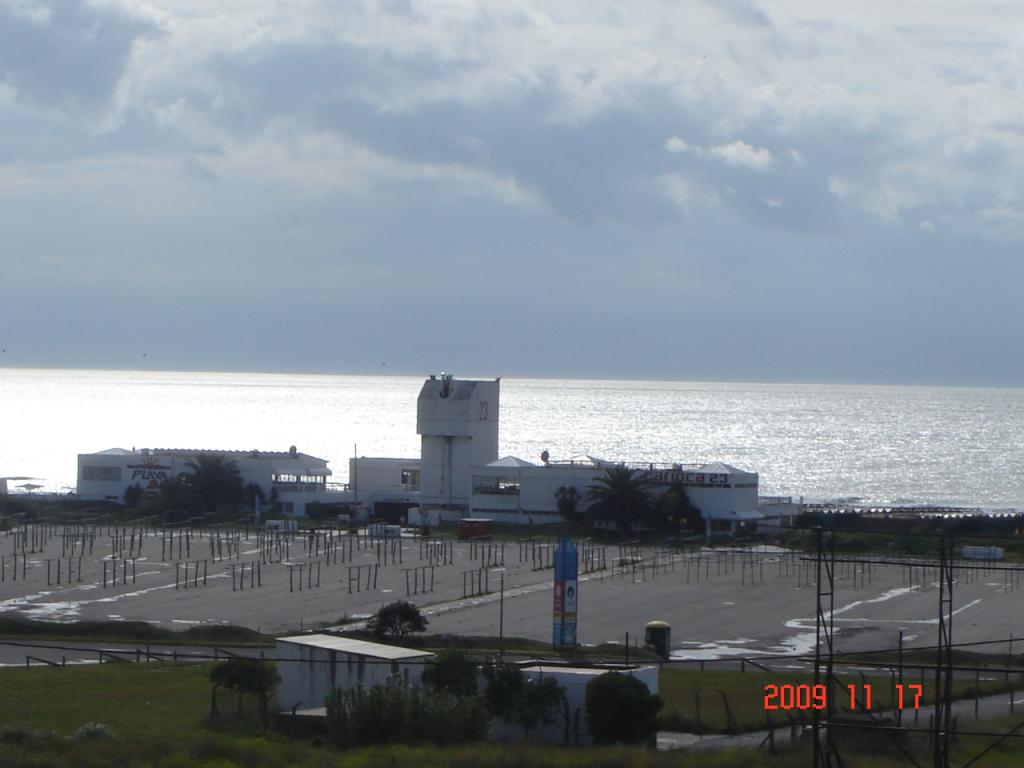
458	425
460	475
296	478
311	666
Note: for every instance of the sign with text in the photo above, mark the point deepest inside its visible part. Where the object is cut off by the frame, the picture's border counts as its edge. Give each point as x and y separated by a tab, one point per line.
565	595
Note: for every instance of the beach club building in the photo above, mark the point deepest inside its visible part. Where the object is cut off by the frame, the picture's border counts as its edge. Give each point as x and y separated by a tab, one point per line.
297	478
458	474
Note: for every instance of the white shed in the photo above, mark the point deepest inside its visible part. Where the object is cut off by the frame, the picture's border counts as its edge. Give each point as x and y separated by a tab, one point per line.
311	666
574	680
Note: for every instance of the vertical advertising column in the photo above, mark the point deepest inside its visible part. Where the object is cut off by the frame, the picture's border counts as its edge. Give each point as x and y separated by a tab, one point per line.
564	627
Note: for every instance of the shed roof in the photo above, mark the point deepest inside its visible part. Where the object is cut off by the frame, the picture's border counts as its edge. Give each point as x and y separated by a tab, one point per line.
355	647
560	669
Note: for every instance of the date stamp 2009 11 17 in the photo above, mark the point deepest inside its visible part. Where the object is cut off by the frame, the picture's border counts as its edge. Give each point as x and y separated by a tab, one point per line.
789	696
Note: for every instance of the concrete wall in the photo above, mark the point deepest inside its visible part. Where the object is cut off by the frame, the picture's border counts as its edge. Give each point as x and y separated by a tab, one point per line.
536	494
375	479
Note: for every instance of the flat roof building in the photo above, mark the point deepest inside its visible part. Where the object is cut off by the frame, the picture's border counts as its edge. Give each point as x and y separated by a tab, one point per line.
460	472
296	478
311	666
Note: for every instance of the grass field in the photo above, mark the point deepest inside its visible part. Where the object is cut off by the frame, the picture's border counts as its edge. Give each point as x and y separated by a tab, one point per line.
745	694
155	716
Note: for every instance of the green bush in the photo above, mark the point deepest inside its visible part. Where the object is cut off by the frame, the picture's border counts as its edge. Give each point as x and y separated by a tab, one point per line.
520	699
452	672
318	510
620	709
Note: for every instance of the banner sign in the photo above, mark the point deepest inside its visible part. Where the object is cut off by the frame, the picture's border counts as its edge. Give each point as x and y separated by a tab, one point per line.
566	595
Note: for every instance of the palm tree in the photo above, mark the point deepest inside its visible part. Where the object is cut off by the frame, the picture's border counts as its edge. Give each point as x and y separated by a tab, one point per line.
176	498
566	499
622	496
215	479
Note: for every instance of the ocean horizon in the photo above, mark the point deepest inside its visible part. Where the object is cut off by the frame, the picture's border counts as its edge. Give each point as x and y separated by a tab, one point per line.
878	443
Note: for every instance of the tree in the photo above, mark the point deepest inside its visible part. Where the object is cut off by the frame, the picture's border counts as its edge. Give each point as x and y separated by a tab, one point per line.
519	699
452	672
176	498
622	496
132	496
567	500
215	479
675	508
251	492
244	676
397	620
620	709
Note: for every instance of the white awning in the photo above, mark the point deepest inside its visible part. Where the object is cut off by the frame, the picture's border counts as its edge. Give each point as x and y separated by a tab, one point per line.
302	471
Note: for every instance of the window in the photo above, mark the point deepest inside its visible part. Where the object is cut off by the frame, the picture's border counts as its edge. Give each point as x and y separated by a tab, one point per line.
101	474
411	477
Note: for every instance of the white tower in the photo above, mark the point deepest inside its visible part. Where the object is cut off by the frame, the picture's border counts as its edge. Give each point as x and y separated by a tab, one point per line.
458	423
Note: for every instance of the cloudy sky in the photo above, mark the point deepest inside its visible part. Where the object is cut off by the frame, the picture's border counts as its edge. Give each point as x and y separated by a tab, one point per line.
730	190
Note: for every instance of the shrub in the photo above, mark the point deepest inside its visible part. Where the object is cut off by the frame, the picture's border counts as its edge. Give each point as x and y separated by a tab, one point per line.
396	620
452	672
521	700
620	709
92	731
318	510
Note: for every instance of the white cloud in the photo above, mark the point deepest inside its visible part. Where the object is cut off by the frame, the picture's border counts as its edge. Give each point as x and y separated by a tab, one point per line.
686	193
739	154
810	76
286	157
676	145
35	13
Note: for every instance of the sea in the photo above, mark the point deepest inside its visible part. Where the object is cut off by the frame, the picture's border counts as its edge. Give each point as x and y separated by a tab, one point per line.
873	445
